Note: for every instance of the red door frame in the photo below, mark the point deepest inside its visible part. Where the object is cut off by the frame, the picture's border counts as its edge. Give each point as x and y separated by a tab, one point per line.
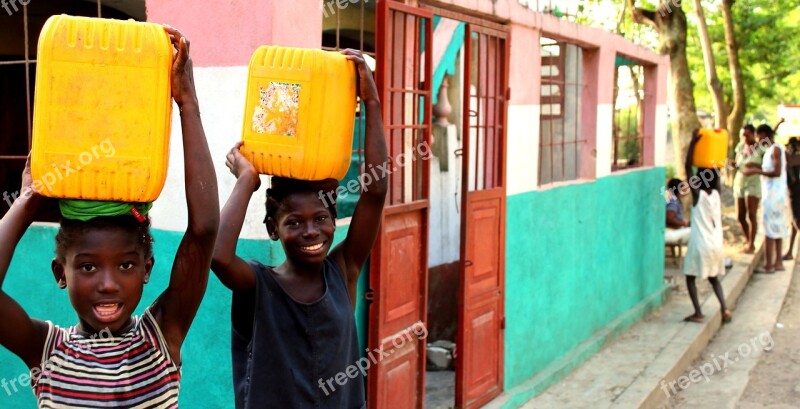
488	194
399	262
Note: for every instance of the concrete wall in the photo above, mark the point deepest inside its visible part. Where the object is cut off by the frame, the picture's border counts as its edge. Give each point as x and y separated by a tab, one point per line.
579	253
596	251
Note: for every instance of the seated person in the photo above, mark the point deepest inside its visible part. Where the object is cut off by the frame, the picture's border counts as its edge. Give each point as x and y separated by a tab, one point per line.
677	227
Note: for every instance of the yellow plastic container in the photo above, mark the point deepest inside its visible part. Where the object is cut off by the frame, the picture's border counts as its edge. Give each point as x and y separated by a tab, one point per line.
299	113
711	150
102	109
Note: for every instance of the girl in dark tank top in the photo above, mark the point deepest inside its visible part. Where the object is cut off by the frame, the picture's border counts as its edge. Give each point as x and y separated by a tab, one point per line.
294	340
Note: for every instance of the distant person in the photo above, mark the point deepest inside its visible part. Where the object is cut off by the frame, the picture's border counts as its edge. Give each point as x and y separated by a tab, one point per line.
773	195
793	183
705	255
678	229
747	189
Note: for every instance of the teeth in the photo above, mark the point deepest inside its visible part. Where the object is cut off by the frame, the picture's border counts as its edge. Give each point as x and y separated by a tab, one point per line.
314	247
106	309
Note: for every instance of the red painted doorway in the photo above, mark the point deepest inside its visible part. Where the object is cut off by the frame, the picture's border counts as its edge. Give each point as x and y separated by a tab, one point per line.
398	266
481	319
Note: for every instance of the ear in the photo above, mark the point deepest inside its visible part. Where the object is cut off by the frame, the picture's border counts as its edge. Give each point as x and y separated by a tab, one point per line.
272	229
148	268
58	273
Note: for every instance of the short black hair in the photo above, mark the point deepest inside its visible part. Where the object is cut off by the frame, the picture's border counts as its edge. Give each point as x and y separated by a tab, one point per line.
749	127
709	182
282	187
766	130
674	185
71	229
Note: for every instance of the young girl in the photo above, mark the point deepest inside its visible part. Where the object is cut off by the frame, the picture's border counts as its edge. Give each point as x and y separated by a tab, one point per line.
747	189
293	325
110	358
773	198
705	256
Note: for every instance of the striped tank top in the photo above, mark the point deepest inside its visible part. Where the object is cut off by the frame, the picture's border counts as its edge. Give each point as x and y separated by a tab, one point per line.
133	370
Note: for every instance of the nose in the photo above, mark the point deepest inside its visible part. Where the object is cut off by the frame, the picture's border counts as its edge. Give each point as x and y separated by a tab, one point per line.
311	231
107	283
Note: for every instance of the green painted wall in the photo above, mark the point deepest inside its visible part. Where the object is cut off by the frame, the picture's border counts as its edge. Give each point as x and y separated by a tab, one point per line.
207	380
596	251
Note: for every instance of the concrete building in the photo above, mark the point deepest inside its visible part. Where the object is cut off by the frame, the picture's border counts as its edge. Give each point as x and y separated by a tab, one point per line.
525	218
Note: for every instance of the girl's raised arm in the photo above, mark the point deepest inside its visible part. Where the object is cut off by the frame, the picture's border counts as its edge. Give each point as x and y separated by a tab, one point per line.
354	250
177	306
18	332
231	270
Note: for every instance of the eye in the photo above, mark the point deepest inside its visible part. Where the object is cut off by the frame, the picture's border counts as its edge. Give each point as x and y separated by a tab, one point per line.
321	219
292	223
126	266
87	268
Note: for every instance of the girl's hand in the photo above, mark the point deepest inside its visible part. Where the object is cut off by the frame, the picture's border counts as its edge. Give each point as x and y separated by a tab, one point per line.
241	167
182	75
366	85
31	198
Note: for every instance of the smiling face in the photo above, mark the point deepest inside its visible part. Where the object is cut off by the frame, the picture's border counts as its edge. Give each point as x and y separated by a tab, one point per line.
105	271
304	226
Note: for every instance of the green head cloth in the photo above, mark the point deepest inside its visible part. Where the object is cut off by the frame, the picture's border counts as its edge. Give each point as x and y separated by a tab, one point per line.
85	210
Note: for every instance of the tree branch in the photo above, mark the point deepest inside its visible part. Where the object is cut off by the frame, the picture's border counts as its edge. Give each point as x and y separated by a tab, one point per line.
642	16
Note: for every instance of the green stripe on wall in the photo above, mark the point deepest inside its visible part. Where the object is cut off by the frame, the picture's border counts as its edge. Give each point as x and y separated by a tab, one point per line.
577	257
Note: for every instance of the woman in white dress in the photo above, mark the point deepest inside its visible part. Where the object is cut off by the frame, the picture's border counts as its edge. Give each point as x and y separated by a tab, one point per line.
773	198
705	255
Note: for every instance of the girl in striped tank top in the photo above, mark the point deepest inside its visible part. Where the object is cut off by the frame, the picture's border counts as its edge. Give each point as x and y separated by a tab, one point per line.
112	359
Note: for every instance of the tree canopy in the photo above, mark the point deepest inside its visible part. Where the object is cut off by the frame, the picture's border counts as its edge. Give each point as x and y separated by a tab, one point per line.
768	37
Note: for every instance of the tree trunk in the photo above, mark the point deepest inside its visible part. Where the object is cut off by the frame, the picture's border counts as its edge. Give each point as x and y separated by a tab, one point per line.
736	116
714	85
671	27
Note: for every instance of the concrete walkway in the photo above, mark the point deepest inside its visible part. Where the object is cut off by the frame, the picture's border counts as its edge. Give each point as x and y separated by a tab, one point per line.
635	370
736	350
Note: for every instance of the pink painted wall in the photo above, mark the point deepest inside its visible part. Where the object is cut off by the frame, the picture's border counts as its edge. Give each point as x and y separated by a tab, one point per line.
525	71
226	32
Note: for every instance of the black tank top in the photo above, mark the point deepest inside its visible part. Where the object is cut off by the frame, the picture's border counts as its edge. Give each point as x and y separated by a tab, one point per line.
288	354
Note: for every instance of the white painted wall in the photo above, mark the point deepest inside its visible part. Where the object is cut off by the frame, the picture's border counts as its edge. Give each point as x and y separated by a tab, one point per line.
221	91
445	201
662	121
523	149
605	127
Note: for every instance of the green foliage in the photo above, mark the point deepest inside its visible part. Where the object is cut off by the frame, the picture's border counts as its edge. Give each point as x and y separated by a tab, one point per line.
671	174
768	36
769	51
